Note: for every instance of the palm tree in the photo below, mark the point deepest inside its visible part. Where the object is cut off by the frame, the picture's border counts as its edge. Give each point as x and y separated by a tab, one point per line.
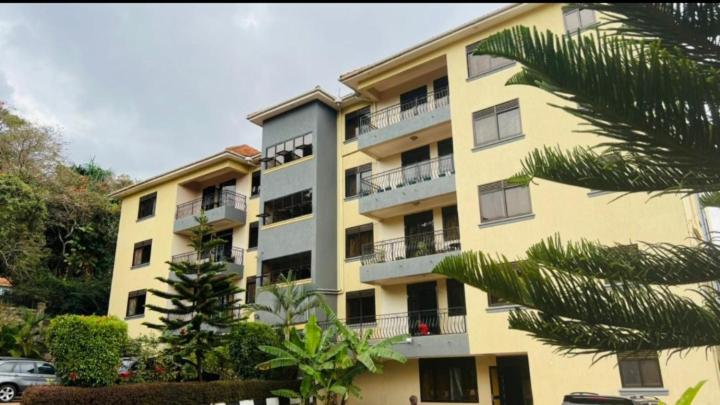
649	84
289	301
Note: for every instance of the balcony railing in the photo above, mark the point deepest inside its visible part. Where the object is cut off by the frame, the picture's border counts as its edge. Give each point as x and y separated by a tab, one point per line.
403	111
415	323
219	254
408	175
299	272
423	244
226	198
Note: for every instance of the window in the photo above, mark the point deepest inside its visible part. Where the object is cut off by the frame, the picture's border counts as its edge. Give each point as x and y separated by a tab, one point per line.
640	370
356	123
250	288
356	238
147	206
28	368
577	19
357	180
455	297
288	207
360	307
255	184
45	368
253	237
448	380
299	264
286	152
497	123
6	367
481	64
494	301
451	225
136	303
445	147
501	200
141	253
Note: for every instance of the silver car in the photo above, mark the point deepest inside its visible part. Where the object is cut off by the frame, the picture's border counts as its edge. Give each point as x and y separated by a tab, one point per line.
17	374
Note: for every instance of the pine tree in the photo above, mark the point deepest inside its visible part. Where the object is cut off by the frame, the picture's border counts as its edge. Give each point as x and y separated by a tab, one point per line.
648	82
203	301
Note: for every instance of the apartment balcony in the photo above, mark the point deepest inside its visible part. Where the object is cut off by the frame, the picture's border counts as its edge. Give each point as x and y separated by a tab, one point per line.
387	131
232	258
432	333
407	259
409	189
228	210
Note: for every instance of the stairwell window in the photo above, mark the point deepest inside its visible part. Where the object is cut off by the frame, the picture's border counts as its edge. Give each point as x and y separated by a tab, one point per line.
479	65
136	303
141	253
146	207
577	19
288	207
640	370
287	151
501	200
497	123
360	307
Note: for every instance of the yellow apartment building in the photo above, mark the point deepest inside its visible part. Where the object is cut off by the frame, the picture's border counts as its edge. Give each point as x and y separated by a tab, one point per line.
360	197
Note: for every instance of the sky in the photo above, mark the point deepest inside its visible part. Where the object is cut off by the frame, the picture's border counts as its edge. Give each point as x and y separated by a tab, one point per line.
143	89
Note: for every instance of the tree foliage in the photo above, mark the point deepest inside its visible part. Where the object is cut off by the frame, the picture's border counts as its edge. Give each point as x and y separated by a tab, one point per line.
203	301
648	83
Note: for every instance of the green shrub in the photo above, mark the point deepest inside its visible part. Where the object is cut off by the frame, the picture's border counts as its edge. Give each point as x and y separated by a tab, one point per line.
244	349
183	393
86	349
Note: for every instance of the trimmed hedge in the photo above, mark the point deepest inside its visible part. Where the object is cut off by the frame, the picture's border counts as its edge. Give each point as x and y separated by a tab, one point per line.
184	393
86	349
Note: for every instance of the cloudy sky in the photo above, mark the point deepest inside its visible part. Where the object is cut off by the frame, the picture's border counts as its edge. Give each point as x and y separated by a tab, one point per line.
146	88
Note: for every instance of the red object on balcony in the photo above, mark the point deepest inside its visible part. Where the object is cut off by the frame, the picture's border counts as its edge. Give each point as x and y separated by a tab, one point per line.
423	329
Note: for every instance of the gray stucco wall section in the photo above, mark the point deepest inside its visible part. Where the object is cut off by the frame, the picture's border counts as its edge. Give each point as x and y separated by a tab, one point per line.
229	213
287	239
404	127
391	271
435	346
407	194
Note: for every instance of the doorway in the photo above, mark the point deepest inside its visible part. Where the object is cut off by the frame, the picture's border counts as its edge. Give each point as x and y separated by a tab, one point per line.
510	381
413	168
419	234
422	309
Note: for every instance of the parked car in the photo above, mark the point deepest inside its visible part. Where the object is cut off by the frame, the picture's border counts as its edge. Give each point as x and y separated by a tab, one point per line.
18	374
589	398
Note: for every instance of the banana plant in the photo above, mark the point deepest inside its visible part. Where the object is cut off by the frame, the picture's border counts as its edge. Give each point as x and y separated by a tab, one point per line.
689	395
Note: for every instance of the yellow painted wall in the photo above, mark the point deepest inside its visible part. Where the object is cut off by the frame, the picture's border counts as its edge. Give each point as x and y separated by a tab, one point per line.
569	211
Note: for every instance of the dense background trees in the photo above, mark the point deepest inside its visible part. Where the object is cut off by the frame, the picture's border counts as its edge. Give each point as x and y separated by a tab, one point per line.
57	242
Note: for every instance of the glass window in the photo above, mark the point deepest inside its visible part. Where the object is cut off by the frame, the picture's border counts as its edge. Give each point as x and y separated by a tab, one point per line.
288	207
253	236
500	200
141	253
6	367
136	303
356	123
360	307
250	289
357	180
496	123
255	184
356	238
299	264
287	151
46	368
448	380
478	65
640	370
24	368
455	297
147	206
576	19
445	147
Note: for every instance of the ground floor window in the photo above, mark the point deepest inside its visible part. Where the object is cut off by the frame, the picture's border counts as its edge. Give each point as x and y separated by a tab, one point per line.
640	370
448	380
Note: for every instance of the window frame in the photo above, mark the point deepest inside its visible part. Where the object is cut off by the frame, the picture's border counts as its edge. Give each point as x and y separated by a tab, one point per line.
455	292
133	295
569	10
256	226
362	296
358	230
251	280
255	188
495	111
152	196
297	142
304	200
639	358
142	245
357	172
354	116
503	186
469	49
442	366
